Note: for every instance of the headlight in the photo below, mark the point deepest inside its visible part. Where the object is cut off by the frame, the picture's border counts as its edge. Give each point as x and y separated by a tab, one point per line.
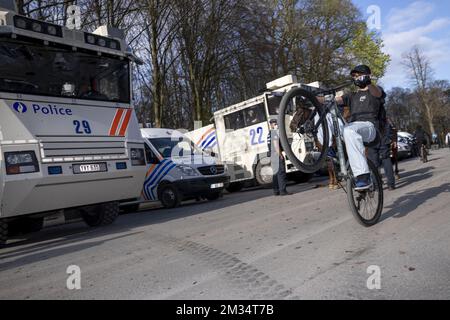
51	30
21	162
20	23
137	157
36	27
102	42
188	171
90	39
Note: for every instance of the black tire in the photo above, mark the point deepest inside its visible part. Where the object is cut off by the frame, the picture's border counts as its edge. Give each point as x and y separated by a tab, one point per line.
311	165
213	196
169	196
300	177
375	193
262	178
235	187
3	232
100	215
130	208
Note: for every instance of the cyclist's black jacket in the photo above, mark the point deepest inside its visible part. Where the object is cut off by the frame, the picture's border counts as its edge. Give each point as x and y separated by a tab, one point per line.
365	107
420	137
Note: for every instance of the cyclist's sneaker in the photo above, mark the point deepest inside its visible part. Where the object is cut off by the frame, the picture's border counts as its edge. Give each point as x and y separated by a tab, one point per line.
363	182
331	153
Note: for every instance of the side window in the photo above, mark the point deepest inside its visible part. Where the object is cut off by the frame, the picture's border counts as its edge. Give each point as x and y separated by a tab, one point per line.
255	115
274	105
150	155
234	121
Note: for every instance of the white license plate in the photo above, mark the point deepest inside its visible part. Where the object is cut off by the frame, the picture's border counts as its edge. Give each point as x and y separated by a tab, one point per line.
217	185
90	168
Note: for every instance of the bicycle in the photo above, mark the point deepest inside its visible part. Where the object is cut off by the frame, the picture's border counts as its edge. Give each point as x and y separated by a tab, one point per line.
307	153
424	153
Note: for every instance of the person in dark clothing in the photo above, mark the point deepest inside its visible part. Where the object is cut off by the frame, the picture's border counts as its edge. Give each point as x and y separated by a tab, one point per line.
367	116
380	154
277	160
366	109
420	136
421	139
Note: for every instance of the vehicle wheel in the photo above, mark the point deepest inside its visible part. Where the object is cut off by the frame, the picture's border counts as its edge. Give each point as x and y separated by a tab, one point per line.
264	173
100	215
301	145
3	232
169	196
235	187
300	177
130	208
366	206
213	196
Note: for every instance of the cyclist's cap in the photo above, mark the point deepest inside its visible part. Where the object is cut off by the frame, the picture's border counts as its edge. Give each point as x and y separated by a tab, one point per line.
363	69
272	121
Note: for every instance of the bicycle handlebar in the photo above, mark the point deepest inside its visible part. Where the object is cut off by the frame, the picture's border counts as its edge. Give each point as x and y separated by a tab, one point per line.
335	89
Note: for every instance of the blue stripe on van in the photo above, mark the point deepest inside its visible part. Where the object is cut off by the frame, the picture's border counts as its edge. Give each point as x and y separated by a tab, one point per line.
213	144
155	185
155	174
210	142
212	134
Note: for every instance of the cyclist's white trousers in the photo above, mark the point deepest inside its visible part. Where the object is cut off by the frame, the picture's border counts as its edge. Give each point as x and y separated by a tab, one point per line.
355	134
330	128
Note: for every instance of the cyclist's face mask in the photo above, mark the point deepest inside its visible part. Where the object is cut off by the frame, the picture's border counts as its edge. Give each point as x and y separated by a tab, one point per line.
361	80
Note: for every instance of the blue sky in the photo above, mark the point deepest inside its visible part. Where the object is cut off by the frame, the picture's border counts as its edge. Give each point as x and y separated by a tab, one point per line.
425	23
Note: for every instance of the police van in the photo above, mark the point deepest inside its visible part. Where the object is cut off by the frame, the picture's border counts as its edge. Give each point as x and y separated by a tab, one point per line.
238	136
70	143
178	170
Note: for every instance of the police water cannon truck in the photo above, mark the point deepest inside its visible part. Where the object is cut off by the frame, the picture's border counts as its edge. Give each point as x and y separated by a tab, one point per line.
70	143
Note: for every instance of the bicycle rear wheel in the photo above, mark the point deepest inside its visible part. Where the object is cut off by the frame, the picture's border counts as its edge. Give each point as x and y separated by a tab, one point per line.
304	133
367	205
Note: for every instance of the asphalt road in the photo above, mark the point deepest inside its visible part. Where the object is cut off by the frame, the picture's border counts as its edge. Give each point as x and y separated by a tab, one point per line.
251	245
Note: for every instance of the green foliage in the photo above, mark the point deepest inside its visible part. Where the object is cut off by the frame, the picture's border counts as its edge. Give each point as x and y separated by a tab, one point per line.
367	48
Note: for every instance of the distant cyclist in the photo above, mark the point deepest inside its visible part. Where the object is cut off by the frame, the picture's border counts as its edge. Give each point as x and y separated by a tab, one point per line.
421	140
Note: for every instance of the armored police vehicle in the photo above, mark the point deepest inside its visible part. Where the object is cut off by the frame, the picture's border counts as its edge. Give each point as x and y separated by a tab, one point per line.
239	137
70	142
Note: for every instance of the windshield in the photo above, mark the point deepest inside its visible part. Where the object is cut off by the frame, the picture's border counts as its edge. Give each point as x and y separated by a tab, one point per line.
174	147
28	66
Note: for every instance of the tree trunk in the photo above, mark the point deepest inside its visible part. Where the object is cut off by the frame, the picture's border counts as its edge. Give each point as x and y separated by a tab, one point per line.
156	70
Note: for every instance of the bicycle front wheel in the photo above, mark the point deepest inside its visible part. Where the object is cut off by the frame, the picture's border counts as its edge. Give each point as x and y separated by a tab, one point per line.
366	205
304	133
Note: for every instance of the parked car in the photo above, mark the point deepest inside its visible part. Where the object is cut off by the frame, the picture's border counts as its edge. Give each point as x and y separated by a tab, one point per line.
404	148
178	170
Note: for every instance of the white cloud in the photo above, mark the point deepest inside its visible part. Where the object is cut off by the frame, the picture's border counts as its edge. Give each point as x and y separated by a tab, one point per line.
401	19
408	28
